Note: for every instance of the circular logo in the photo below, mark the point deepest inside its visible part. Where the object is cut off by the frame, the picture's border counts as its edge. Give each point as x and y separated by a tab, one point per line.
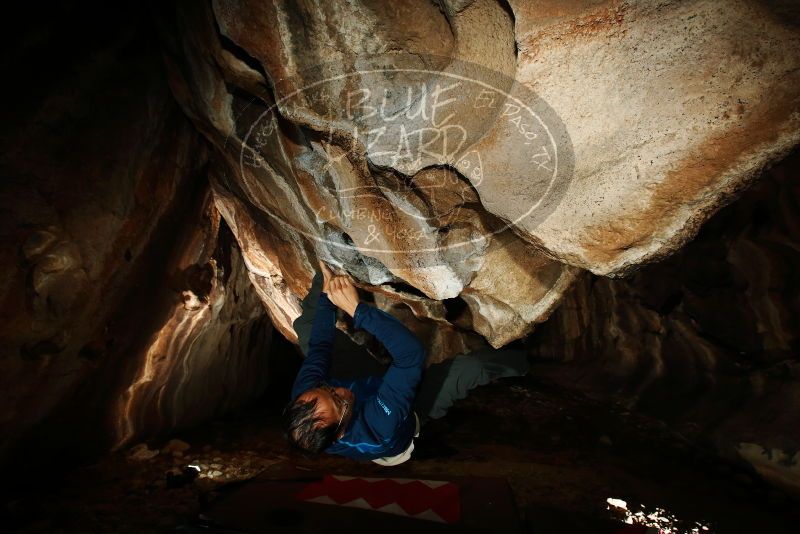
412	156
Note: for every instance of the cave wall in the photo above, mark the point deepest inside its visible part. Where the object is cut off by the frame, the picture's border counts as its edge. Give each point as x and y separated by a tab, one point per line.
706	340
126	307
659	114
652	116
169	183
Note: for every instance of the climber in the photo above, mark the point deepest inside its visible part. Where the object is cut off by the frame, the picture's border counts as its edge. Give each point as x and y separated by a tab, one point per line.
374	417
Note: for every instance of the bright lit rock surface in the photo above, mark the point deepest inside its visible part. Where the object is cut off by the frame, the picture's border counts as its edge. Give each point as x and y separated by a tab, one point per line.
595	135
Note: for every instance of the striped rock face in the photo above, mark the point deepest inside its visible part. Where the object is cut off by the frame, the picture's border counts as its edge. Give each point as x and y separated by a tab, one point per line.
126	306
468	166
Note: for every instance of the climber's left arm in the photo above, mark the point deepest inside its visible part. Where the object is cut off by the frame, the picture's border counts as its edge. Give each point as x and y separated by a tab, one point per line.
320	346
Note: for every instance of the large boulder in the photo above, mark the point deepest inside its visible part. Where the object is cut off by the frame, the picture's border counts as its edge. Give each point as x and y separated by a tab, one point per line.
486	152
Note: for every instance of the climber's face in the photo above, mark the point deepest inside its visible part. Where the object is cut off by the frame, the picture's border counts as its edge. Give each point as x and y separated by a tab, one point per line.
333	405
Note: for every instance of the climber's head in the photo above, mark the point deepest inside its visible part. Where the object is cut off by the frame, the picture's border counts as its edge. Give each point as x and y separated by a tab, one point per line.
318	417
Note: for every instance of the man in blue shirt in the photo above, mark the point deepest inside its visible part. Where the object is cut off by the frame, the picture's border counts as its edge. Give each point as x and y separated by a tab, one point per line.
375	417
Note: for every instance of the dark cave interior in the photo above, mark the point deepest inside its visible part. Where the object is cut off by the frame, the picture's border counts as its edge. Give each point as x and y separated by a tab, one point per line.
149	293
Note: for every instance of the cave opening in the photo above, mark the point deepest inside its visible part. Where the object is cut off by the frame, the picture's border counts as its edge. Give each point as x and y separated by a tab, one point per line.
559	291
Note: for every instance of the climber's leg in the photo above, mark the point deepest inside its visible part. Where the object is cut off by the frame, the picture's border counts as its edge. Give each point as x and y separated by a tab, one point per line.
302	325
444	383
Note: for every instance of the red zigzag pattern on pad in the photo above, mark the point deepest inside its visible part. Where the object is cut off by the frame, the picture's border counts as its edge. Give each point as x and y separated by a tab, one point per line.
424	499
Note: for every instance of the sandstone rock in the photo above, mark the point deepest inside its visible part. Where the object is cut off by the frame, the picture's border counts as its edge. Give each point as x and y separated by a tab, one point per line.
86	198
671	109
126	308
515	288
141	452
285	177
775	465
466	169
682	109
176	445
267	258
183	356
685	341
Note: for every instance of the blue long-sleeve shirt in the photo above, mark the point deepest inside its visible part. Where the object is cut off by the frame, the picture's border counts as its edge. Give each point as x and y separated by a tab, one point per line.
382	422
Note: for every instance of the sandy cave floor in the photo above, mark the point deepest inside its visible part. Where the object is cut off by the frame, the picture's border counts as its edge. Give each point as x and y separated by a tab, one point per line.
563	455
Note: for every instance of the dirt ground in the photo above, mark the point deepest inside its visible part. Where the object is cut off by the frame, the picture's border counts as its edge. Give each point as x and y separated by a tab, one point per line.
563	455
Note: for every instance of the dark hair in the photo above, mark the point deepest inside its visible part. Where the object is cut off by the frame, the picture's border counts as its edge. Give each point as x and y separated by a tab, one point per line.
300	425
